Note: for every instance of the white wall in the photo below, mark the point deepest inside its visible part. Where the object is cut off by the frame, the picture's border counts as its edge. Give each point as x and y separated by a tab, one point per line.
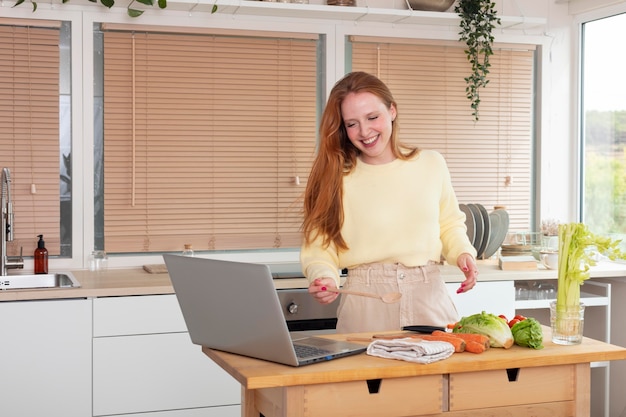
558	160
583	6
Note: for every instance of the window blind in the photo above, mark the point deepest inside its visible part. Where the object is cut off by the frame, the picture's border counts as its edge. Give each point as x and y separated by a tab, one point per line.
490	161
29	130
208	140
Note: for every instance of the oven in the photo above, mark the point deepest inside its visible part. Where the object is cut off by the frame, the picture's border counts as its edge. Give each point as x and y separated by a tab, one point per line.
302	312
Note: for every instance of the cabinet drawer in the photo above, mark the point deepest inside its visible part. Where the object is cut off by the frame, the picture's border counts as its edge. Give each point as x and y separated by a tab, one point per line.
146	314
413	396
157	372
494	389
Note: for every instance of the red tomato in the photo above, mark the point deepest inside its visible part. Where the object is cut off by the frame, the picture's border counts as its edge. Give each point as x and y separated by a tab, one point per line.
513	322
503	317
519	317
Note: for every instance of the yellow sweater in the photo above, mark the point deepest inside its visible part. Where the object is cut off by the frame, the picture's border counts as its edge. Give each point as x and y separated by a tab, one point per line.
401	212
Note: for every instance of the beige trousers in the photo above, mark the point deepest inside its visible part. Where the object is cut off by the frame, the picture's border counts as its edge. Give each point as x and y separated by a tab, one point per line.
425	299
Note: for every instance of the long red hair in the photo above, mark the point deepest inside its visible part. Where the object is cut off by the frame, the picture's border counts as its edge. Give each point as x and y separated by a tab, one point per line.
336	157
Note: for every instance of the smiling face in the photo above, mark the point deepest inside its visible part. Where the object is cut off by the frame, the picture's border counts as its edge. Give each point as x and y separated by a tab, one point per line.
368	123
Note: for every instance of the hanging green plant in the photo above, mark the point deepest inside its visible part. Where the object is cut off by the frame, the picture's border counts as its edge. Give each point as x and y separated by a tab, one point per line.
478	19
132	12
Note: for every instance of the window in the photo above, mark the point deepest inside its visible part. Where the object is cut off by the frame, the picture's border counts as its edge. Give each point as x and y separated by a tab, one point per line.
491	161
604	126
208	139
35	139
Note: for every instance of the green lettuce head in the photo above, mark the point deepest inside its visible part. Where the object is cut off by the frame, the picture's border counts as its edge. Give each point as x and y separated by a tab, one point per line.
492	326
528	333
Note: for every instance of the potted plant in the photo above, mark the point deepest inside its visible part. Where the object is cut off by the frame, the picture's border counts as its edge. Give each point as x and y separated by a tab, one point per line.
478	19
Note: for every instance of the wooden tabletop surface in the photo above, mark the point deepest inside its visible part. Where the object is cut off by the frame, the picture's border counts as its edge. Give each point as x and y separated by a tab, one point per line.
255	374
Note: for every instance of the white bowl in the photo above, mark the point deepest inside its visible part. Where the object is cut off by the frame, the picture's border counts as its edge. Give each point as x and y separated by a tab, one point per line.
431	5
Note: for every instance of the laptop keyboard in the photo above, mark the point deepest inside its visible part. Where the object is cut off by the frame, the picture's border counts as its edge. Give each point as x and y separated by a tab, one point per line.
305	351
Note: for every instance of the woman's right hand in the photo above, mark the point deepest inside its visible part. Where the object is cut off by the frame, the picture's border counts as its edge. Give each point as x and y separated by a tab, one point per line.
318	290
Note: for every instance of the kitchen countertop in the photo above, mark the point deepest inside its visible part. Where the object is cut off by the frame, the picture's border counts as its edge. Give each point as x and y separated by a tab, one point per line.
136	281
110	283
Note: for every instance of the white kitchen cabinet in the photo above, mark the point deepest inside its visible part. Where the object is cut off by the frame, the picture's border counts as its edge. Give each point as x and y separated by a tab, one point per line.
132	315
46	358
496	297
144	362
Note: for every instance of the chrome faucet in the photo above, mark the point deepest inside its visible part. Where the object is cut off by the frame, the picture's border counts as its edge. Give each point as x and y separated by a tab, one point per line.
8	262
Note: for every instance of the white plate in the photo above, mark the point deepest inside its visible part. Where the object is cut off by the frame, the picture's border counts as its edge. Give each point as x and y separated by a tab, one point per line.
486	230
479	222
469	223
499	229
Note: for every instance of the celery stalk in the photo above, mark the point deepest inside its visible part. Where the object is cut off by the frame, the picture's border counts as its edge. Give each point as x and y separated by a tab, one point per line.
575	258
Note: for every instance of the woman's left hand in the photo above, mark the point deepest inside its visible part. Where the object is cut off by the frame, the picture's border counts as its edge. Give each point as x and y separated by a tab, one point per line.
466	263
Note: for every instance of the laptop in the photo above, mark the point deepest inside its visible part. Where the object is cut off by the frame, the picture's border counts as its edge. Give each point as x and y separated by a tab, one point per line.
234	307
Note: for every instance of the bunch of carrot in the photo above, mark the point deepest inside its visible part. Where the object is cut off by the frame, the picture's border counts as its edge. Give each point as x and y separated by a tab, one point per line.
462	342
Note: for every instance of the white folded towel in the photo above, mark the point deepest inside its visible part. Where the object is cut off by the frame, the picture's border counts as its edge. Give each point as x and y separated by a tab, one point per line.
411	349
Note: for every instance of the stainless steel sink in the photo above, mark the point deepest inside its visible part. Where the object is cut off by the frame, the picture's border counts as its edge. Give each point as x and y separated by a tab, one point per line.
28	281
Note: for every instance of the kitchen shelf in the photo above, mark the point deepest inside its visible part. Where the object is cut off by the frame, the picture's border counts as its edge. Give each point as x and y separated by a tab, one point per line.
600	364
594	295
590	300
355	14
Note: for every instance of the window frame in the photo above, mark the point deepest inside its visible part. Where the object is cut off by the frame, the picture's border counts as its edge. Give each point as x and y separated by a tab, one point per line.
130	181
71	83
579	116
325	30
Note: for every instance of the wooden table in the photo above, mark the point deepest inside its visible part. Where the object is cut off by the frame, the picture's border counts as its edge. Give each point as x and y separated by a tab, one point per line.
516	382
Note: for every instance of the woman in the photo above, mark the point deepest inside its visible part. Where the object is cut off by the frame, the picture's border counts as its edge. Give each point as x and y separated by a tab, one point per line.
383	210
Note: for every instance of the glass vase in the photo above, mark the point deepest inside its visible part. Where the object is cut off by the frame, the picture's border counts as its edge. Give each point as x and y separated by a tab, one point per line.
567	324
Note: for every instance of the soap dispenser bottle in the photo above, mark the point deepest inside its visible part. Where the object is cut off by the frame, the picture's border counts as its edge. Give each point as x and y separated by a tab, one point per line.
41	257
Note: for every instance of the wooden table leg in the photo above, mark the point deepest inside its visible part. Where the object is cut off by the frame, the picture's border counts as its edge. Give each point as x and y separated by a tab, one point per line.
293	402
248	407
273	402
583	390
